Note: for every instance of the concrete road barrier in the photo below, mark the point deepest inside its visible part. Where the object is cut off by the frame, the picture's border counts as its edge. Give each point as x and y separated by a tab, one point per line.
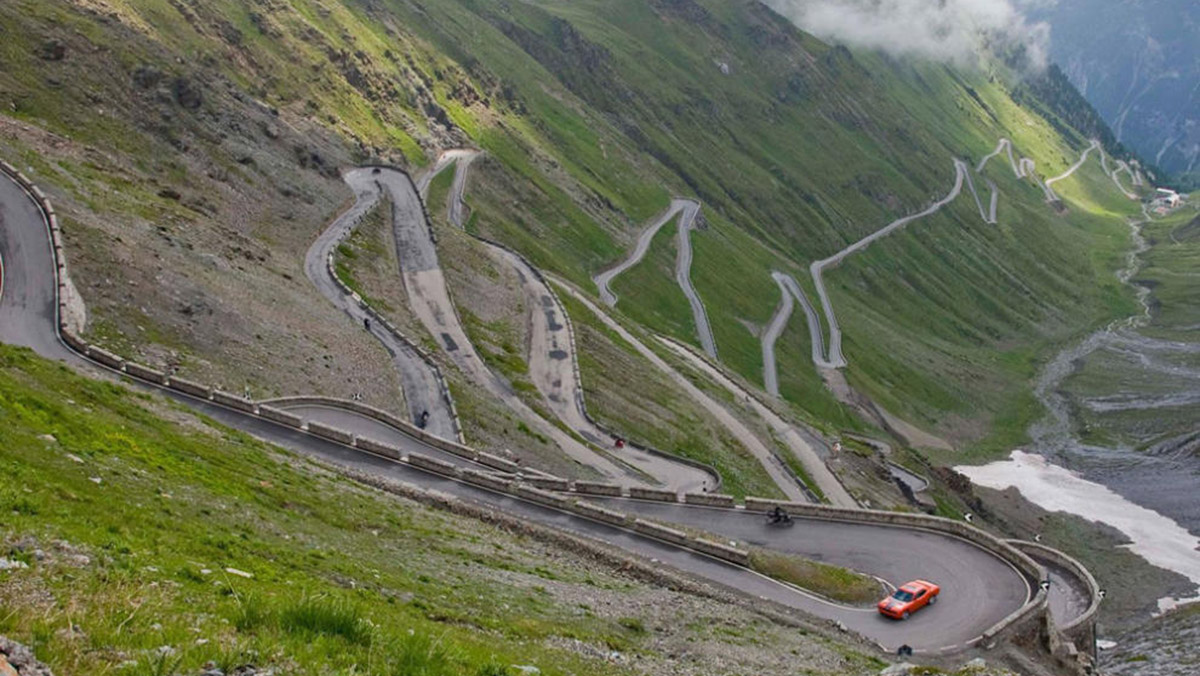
330	432
722	551
73	341
600	513
547	483
474	476
710	499
655	494
596	488
543	497
496	462
671	535
282	417
378	448
432	464
453	448
189	387
105	357
144	372
233	401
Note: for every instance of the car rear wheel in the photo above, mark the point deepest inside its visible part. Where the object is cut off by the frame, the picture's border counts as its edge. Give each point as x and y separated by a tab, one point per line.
904	616
933	599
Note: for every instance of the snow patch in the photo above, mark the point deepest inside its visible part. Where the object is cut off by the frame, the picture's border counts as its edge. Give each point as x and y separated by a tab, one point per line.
1154	537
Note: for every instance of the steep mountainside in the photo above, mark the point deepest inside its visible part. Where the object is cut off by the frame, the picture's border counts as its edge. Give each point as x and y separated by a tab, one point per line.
195	149
1138	62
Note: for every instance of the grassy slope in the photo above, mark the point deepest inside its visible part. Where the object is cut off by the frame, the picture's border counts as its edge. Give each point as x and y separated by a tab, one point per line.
594	112
345	579
786	189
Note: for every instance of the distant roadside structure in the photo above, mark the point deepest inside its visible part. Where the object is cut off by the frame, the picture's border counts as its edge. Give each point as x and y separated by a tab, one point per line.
1165	197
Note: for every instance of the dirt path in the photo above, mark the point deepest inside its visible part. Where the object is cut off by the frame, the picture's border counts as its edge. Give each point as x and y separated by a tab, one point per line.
422	387
983	214
553	365
688	210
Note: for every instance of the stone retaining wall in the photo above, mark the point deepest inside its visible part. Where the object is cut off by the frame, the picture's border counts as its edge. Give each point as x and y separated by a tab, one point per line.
597	488
710	499
189	387
233	401
654	530
655	494
478	478
378	448
496	462
330	432
432	464
145	372
601	513
281	417
105	357
548	483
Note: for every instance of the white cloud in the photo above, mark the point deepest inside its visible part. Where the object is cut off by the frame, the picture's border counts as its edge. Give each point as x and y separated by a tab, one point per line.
943	30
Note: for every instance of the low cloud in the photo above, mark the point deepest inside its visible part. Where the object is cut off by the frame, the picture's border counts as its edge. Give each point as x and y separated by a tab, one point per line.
944	30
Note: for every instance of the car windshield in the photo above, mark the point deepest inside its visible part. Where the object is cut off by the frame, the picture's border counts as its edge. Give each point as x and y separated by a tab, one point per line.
902	595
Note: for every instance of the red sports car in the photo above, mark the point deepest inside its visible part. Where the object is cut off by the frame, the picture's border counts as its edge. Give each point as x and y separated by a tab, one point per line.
909	598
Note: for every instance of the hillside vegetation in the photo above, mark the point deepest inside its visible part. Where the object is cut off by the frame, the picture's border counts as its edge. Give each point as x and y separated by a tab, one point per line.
206	137
139	539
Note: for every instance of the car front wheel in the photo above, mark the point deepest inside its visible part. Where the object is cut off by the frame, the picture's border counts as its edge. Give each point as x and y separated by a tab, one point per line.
932	600
904	616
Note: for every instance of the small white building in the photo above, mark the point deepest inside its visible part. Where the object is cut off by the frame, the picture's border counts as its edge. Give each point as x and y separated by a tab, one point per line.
1166	197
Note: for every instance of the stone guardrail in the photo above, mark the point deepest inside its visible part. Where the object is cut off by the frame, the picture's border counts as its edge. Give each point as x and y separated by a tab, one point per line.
394	421
1034	609
1075	568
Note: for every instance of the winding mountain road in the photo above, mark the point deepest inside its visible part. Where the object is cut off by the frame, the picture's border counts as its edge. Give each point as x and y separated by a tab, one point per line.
687	210
979	588
553	364
418	378
796	441
835	357
1048	186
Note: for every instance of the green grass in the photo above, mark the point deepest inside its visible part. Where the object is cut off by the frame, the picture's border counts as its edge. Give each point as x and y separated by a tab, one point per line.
344	579
594	112
839	584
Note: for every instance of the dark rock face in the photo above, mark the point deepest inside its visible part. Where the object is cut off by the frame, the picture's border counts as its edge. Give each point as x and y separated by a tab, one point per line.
54	51
147	77
20	660
187	93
